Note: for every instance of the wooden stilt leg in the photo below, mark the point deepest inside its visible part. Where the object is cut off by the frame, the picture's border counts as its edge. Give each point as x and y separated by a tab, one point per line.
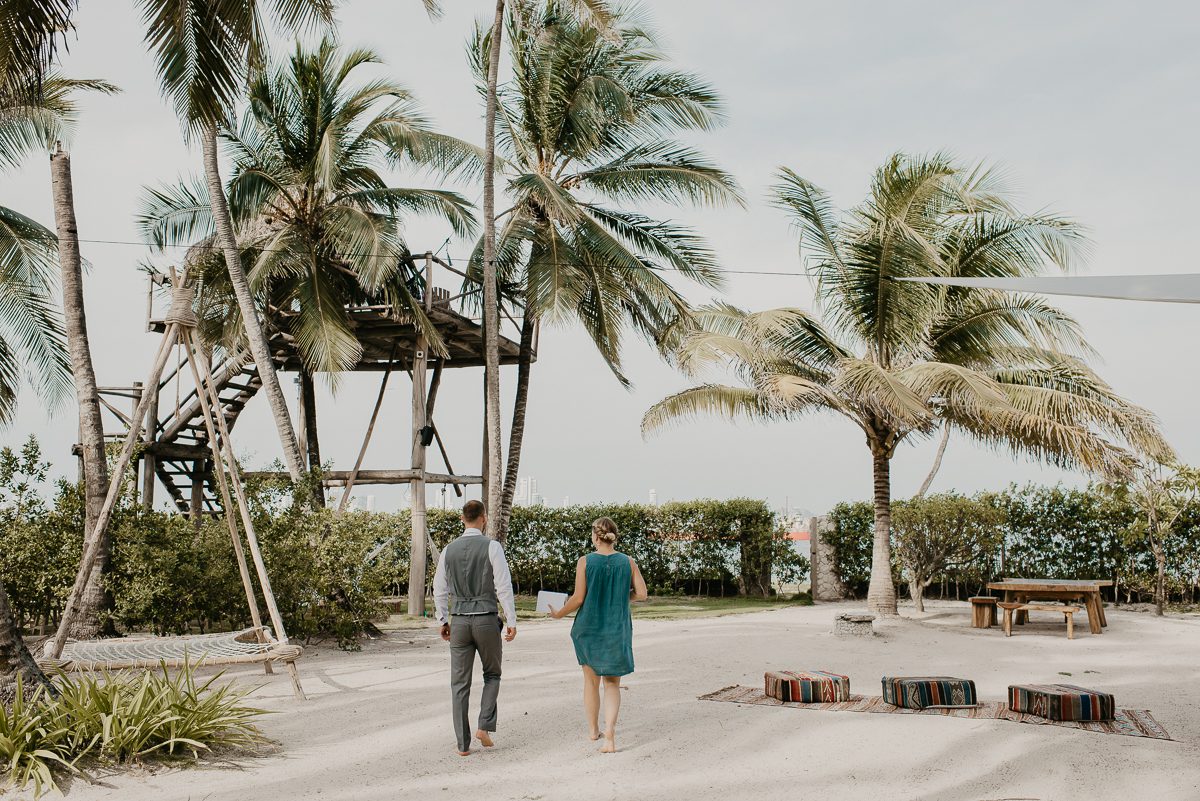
1070	624
226	501
362	451
294	674
260	567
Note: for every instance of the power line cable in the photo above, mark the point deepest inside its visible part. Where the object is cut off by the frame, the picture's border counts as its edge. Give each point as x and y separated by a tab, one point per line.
723	270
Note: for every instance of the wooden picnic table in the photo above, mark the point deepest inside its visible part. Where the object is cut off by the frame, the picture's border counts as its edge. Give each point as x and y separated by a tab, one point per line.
1087	591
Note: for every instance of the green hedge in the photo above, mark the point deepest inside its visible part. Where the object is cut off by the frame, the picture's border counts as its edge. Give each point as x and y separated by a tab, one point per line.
330	572
1047	531
699	547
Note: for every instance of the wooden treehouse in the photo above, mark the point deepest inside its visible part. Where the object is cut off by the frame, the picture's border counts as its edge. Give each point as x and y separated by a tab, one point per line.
176	455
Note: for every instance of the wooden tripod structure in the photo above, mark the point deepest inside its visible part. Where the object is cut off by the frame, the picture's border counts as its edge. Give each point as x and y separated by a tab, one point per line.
181	324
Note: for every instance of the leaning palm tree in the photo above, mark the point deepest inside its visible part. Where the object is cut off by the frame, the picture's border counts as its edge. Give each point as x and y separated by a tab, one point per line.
900	358
318	226
205	53
587	128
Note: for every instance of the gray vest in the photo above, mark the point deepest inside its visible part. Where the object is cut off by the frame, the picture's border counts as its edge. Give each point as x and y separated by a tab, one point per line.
472	585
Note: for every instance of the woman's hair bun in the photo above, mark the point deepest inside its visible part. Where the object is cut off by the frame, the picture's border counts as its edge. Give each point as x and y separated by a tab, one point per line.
605	529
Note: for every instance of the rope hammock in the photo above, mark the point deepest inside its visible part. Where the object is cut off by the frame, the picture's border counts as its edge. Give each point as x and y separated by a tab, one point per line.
228	648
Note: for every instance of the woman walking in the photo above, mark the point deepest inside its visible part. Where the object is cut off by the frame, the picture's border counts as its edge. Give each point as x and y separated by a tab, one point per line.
605	582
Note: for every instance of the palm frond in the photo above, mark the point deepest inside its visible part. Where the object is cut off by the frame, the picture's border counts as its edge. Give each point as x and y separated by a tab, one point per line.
175	214
730	403
881	393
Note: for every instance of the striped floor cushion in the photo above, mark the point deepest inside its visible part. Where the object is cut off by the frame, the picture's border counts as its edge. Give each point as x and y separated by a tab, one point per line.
1061	702
807	686
921	692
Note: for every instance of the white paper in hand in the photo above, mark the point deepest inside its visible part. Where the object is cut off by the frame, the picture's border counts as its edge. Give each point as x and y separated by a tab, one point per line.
547	599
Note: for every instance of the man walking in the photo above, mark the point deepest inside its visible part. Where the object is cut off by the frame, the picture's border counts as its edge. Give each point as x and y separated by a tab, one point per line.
474	571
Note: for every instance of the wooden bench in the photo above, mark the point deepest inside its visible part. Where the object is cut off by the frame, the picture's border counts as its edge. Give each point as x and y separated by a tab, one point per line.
983	611
1067	611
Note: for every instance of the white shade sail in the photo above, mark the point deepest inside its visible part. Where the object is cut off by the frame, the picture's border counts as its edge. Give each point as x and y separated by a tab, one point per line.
1179	288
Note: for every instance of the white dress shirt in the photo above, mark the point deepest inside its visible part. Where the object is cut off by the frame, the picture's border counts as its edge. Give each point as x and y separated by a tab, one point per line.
500	574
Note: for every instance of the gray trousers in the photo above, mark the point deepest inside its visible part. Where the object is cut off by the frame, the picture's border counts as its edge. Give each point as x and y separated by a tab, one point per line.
471	635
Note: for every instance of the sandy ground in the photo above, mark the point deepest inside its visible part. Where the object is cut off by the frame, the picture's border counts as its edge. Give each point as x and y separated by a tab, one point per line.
377	723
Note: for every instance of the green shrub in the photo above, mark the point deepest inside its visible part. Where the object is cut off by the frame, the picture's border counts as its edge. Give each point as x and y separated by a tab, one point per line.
1047	531
120	718
171	575
945	534
702	547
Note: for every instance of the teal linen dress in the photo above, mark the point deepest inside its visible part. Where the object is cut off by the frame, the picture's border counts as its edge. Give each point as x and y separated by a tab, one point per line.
603	628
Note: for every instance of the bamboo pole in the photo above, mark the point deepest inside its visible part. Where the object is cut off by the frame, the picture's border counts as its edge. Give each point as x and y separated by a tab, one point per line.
227	504
260	567
94	537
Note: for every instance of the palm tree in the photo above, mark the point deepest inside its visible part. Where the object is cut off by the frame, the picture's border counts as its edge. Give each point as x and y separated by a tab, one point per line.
587	127
900	358
29	38
15	659
31	330
205	52
317	225
598	14
38	120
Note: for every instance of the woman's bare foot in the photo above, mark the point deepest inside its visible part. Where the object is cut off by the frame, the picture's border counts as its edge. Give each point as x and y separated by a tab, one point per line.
610	745
595	735
485	739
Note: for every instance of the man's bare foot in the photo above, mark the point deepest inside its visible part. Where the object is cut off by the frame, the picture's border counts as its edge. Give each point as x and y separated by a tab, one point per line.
610	745
485	739
594	735
463	753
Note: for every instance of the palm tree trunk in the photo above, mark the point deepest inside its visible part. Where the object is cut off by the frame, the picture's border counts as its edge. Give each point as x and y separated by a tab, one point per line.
96	600
516	435
937	460
260	349
881	592
308	402
491	301
15	658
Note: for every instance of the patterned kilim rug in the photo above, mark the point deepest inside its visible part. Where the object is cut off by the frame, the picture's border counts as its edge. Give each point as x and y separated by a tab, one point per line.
1130	722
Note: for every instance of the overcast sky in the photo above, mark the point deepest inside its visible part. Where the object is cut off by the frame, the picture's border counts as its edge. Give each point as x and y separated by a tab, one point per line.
1091	108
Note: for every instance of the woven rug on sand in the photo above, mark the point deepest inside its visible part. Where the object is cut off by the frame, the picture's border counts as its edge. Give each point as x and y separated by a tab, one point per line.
1130	722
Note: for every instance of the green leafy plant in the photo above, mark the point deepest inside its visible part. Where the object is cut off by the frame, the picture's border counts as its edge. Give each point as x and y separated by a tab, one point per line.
113	718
